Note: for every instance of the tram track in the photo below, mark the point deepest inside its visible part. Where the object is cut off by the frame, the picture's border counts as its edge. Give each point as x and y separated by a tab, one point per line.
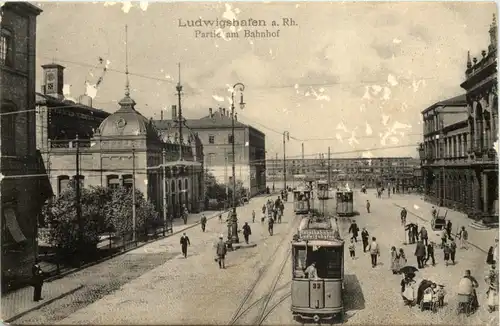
262	302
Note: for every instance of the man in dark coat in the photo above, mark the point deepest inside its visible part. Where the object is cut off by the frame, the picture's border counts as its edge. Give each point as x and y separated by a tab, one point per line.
420	254
221	252
449	228
246	231
404	213
37	280
430	254
184	244
353	229
203	222
270	226
364	238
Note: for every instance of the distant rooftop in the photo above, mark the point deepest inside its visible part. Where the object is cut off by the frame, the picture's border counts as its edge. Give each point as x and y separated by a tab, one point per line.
459	100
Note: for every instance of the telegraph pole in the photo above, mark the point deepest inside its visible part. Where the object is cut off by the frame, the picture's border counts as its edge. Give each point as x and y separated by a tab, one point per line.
78	194
164	174
179	115
225	176
275	167
286	136
133	197
303	161
329	173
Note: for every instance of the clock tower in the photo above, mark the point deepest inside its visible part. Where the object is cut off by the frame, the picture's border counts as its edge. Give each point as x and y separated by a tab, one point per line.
53	80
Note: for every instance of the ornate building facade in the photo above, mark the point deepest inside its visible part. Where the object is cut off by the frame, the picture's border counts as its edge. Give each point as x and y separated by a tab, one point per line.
214	131
21	169
460	163
126	149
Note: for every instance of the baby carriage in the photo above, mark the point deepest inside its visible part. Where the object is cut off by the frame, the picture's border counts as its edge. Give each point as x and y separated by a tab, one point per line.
429	300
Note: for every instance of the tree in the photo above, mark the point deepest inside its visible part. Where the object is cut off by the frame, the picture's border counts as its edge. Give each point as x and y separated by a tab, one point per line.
214	190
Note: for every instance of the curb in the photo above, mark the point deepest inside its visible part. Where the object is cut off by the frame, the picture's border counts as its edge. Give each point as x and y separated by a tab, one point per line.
425	220
71	271
45	303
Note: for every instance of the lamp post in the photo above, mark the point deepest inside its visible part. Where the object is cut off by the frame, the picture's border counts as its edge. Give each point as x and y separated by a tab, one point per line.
233	236
286	137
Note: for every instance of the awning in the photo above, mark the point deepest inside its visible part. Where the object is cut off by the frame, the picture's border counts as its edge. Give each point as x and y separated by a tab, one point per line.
13	225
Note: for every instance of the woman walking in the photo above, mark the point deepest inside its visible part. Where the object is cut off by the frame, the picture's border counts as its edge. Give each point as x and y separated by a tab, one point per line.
394	261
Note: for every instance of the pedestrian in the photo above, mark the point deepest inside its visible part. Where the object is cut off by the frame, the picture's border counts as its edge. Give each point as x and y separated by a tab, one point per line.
184	244
411	236
424	236
394	261
420	253
37	281
449	228
220	218
368	206
415	231
374	251
203	222
354	230
444	239
263	217
221	252
403	216
393	190
352	249
430	254
364	238
253	216
453	250
263	208
402	258
463	236
246	232
434	212
446	251
270	226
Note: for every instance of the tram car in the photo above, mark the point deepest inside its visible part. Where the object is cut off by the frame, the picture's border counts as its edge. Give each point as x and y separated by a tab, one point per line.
322	190
317	297
344	205
301	201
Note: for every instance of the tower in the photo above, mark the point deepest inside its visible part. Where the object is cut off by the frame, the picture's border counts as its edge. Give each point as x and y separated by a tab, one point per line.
53	80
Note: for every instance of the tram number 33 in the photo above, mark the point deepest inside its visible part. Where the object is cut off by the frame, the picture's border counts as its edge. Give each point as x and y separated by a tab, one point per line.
316	286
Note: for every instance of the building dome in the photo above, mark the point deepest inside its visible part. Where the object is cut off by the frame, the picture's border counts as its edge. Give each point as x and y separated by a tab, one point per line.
126	121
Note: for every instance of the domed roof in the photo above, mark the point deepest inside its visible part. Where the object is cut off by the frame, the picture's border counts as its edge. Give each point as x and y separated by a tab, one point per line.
126	121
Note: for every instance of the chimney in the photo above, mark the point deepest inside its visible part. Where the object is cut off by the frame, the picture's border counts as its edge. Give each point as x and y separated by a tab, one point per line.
174	112
210	113
161	115
224	111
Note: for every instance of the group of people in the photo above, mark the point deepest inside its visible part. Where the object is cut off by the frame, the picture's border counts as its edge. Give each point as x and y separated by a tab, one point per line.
274	212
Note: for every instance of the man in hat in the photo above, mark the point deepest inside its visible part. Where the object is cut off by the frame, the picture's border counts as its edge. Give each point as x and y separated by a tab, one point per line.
430	253
246	231
37	273
221	252
184	244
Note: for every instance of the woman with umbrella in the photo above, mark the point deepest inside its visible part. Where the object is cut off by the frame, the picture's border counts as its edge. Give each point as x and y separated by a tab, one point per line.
408	285
394	261
411	234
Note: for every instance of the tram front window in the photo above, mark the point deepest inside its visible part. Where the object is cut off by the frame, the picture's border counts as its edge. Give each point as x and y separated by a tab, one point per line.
328	261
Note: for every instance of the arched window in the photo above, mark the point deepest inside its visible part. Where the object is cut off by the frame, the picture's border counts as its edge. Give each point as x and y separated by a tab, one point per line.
186	183
62	183
172	186
6	48
179	185
9	116
113	181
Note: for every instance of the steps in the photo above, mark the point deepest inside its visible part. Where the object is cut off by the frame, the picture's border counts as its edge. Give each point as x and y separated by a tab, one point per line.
478	225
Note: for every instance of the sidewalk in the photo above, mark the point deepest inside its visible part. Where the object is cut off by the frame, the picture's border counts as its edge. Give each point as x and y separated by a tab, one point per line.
20	302
415	205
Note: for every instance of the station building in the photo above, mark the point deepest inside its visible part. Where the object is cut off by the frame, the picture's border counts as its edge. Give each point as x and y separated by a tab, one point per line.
215	133
122	148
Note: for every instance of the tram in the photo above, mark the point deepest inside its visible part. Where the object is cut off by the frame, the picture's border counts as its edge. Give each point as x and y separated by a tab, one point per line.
322	190
301	200
318	298
344	206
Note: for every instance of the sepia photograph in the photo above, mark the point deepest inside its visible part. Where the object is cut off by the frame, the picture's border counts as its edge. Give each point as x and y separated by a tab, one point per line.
249	163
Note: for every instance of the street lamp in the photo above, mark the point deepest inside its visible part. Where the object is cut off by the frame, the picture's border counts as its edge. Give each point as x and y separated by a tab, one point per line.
286	137
233	229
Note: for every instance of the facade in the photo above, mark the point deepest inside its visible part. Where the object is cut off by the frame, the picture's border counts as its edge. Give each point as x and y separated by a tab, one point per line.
460	163
22	181
126	149
215	134
399	171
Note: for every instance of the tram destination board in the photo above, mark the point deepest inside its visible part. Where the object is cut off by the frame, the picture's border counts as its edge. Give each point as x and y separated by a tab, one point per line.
318	234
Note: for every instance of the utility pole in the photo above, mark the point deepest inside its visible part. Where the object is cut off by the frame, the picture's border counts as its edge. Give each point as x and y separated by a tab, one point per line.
275	167
164	175
78	195
133	197
286	136
303	161
329	171
226	181
179	115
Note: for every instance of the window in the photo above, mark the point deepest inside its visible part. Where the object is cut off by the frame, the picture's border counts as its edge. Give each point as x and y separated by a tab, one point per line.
211	139
9	129
179	185
128	181
6	48
172	186
230	139
113	181
328	261
229	158
63	183
81	178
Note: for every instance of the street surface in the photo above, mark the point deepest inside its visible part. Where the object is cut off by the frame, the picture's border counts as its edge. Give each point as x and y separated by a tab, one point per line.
165	288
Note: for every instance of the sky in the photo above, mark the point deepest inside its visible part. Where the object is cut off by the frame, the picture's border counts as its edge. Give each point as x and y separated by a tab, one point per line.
350	76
